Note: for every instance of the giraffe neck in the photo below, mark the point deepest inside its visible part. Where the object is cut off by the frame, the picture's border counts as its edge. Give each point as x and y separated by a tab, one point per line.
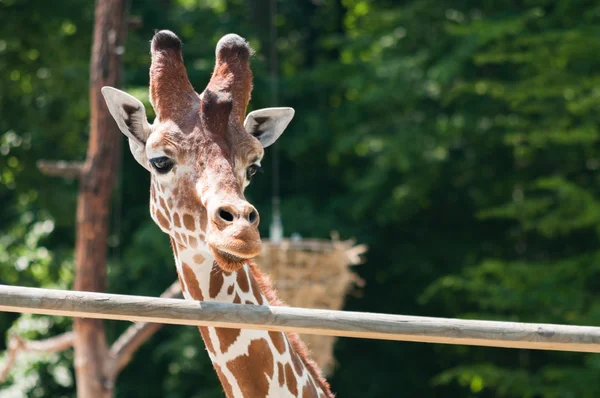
249	363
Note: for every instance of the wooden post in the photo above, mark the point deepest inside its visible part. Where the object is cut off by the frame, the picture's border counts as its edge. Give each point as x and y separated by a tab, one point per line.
94	374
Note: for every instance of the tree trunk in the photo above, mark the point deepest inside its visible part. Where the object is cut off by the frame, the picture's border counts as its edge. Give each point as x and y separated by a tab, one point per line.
94	370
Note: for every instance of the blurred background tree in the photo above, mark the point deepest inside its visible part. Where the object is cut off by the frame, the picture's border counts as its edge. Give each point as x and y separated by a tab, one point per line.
459	140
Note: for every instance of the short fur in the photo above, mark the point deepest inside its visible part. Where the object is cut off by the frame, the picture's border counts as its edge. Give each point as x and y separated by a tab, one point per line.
171	93
232	73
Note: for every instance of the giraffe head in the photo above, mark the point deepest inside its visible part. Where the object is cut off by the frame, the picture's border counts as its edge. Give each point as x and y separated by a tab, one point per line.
202	149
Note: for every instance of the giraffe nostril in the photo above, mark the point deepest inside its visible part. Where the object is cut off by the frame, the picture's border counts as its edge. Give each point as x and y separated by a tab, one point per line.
225	215
253	216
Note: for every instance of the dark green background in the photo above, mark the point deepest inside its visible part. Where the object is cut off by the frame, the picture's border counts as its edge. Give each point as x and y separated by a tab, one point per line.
458	139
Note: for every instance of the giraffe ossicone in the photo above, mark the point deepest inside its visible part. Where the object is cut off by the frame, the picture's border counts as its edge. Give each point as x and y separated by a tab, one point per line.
202	151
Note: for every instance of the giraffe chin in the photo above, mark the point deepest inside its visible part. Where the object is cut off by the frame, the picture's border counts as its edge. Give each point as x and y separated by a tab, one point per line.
233	248
228	262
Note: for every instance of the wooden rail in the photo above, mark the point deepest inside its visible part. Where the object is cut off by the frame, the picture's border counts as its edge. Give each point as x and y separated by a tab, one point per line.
300	320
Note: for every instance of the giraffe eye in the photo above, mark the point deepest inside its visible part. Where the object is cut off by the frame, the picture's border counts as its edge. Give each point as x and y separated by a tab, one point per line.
253	169
162	164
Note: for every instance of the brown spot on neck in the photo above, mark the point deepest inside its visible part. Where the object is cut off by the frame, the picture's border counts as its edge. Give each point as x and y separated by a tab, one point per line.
256	290
280	374
216	281
242	280
206	338
226	386
237	299
278	341
227	337
192	283
254	370
290	379
176	220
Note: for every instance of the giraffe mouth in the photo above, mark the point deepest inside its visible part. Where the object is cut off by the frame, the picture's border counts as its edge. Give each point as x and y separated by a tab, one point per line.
227	261
234	246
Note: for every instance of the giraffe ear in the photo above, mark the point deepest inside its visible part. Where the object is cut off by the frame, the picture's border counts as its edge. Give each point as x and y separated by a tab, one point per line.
268	124
130	115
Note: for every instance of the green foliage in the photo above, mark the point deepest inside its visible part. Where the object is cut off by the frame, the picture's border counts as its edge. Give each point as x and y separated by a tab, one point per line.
459	140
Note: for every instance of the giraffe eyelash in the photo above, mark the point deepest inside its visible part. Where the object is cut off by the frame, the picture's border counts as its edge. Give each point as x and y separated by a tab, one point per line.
252	170
162	164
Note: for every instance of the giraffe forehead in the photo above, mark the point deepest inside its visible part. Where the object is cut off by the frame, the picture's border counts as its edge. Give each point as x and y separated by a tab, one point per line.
251	149
189	142
234	145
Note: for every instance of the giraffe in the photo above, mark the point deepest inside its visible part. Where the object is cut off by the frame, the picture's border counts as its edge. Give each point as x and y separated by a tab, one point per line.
202	151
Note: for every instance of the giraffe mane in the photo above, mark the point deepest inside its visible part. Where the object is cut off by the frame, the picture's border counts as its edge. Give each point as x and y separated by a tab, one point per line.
265	285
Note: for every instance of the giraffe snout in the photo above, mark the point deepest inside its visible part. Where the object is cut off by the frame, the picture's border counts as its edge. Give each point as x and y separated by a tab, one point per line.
232	234
229	214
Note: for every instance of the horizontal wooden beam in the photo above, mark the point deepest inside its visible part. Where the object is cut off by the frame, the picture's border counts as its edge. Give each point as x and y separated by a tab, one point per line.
300	320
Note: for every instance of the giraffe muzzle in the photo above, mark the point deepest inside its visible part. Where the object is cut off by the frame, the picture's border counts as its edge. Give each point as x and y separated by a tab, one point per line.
233	236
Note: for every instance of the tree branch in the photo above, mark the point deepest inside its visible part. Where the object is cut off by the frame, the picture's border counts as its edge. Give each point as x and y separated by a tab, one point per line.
137	334
135	22
60	168
17	344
